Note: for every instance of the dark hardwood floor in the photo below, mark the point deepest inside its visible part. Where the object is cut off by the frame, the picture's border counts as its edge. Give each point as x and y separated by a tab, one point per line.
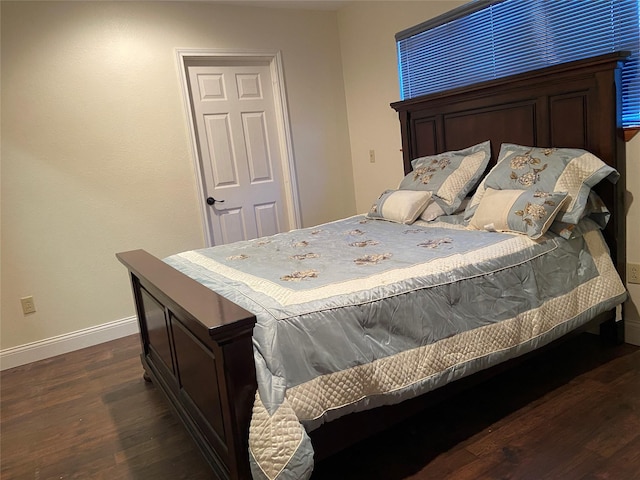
573	413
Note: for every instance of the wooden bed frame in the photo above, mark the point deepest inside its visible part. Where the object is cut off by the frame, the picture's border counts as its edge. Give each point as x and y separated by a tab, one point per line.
197	346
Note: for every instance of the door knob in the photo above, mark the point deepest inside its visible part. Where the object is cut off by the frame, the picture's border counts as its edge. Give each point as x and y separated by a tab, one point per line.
211	201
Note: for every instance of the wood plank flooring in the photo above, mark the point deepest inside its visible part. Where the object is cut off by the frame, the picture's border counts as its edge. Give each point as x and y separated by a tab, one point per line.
574	413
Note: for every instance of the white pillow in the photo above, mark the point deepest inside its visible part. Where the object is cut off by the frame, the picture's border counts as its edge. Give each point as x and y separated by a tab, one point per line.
400	206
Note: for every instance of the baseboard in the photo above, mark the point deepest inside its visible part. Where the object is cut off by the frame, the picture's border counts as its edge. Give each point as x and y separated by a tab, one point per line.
50	347
632	332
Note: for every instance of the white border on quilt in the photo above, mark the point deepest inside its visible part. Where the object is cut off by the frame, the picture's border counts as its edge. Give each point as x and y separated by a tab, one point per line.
286	297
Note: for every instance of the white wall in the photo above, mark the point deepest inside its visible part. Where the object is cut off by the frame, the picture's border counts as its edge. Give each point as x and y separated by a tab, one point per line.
632	315
367	39
96	156
369	59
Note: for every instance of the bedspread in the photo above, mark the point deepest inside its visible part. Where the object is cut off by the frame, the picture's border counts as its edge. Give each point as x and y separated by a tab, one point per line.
359	313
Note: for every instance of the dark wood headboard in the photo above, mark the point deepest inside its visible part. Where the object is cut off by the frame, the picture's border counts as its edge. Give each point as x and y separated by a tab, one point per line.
569	105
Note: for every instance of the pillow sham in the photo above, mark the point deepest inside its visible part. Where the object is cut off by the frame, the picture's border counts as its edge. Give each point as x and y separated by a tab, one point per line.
595	210
478	194
570	231
400	206
570	170
434	211
450	175
521	211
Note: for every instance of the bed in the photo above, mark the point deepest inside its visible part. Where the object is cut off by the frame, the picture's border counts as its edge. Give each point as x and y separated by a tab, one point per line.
275	355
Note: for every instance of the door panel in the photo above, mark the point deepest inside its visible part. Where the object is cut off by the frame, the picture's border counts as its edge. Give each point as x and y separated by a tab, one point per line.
220	148
258	158
232	225
266	219
211	87
249	86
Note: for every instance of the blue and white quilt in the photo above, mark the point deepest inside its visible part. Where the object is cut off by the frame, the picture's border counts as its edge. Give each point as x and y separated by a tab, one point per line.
359	313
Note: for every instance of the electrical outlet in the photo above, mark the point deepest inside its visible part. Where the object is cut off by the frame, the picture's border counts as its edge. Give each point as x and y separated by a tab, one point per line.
27	305
633	272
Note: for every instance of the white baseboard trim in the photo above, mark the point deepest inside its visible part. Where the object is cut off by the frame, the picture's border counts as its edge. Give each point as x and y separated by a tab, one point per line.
50	347
632	332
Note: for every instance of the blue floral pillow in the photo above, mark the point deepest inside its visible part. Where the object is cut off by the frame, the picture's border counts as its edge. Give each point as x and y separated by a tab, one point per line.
450	176
520	211
570	170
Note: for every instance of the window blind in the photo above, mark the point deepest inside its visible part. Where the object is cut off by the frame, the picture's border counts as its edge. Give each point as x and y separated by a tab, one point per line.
488	39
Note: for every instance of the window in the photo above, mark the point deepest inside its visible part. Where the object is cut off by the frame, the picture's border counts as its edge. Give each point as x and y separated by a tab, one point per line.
488	39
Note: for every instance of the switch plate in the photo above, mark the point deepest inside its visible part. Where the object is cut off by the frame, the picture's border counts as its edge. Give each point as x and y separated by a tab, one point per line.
633	272
27	305
372	156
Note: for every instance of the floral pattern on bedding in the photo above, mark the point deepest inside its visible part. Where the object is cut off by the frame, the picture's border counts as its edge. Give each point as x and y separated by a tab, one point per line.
533	166
533	212
424	173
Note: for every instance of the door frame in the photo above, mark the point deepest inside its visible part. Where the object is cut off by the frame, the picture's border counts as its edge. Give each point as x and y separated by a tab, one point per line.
290	184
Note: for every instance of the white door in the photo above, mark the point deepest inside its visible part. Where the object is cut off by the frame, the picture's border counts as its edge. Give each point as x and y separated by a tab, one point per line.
236	130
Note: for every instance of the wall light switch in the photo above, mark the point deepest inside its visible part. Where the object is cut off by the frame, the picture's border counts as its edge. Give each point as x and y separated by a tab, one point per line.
372	156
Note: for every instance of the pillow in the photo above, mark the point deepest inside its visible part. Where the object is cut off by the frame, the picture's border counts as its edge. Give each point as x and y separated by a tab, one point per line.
449	176
595	210
434	211
521	211
401	206
571	230
478	194
570	170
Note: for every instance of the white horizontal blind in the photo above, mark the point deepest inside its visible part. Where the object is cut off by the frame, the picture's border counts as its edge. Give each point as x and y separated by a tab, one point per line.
487	39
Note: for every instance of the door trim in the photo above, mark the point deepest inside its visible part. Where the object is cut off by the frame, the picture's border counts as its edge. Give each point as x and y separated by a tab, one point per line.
292	201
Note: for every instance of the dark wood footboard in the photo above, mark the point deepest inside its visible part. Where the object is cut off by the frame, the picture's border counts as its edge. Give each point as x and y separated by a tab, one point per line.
197	348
